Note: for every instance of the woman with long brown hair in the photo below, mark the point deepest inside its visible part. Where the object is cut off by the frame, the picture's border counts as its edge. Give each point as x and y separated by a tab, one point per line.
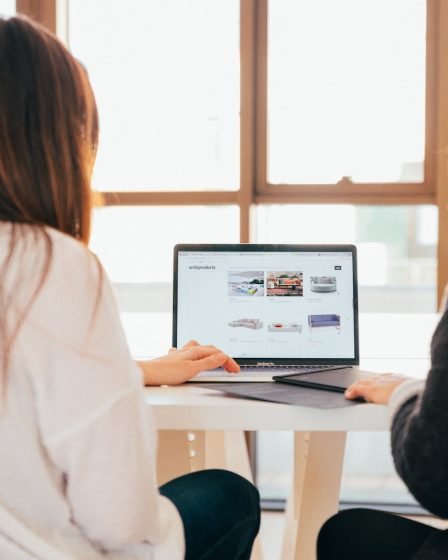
77	443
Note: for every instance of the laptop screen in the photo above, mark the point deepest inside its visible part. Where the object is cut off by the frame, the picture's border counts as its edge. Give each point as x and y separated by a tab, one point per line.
285	303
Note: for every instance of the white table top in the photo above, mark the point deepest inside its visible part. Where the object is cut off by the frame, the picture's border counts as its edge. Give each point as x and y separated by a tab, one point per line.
195	408
389	342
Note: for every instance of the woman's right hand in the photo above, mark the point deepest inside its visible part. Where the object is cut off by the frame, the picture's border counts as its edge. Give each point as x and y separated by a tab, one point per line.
376	389
181	364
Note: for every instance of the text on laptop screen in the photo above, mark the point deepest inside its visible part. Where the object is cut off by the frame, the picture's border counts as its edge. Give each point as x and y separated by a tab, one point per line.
268	305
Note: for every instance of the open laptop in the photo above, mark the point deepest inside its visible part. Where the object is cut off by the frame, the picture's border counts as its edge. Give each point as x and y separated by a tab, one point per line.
277	310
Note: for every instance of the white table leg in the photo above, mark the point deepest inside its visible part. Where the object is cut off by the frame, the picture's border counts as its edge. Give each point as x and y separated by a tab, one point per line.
318	462
173	455
182	451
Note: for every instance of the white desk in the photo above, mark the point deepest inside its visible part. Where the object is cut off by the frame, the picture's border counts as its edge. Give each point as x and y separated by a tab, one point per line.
319	442
218	422
192	408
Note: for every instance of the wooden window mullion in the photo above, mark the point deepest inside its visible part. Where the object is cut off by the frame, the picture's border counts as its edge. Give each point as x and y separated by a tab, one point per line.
42	11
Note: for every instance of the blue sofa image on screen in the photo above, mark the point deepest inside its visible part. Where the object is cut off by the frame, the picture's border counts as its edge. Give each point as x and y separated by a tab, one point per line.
317	321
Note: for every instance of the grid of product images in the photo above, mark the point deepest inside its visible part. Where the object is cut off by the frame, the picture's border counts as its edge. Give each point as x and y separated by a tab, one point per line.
283	286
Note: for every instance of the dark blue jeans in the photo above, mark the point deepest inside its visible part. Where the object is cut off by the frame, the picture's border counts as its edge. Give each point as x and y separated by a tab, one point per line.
220	511
375	535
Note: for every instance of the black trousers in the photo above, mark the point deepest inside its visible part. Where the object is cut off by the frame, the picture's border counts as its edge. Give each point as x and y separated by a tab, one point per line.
372	535
220	511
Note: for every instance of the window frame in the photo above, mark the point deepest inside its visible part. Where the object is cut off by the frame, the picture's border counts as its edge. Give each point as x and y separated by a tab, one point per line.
254	188
345	190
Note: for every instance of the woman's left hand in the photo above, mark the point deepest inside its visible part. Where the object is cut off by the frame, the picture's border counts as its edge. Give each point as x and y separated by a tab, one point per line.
376	389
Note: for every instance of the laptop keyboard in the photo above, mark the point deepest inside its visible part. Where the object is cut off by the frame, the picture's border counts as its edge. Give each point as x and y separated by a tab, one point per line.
275	370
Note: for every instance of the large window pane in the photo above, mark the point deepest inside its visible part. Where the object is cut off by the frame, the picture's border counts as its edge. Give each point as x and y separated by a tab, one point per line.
7	8
396	247
135	243
166	78
346	91
397	273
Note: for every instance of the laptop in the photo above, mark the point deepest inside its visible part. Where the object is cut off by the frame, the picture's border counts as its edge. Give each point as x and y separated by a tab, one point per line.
278	310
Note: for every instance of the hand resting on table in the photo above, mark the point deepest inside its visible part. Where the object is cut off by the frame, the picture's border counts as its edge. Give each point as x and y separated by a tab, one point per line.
376	389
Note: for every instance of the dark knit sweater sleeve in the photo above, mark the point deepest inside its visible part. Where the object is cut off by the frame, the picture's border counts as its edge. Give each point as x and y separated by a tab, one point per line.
420	432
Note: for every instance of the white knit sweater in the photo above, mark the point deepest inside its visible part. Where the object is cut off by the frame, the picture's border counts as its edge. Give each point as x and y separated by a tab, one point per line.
77	442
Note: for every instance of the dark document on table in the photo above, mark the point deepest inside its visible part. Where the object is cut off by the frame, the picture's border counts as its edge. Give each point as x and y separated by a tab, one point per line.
286	394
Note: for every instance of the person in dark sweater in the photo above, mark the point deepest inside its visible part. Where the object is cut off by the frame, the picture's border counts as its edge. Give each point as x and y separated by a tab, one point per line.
419	426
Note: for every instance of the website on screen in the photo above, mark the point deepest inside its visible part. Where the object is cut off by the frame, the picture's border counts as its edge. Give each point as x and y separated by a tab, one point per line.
267	305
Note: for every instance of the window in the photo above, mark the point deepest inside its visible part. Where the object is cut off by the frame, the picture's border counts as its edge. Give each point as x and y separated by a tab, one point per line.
396	247
7	8
346	91
166	78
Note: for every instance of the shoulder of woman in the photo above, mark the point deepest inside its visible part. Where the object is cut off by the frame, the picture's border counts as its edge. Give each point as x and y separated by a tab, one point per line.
39	254
62	284
72	322
71	258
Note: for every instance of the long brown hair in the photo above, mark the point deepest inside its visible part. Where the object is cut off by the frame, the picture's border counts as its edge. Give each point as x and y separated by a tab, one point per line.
48	131
48	139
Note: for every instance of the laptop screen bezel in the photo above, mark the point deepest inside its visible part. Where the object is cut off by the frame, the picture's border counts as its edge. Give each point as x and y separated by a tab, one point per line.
274	248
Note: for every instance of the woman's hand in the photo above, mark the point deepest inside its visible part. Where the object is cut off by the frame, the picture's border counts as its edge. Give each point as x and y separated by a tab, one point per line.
180	364
376	389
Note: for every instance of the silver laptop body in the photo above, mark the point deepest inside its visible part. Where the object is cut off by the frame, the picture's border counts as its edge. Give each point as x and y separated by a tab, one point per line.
276	309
